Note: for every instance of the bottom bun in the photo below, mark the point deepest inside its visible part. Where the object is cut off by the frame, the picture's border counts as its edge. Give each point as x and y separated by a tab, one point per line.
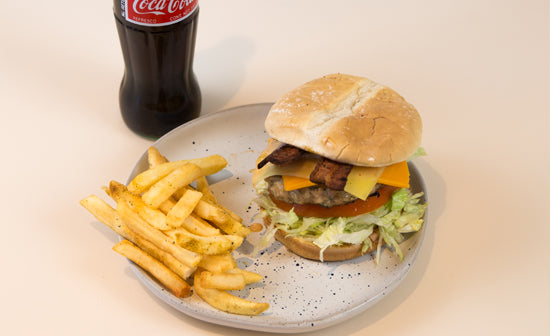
309	250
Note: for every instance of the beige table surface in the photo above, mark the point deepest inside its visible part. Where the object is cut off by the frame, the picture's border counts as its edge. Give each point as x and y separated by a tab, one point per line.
478	71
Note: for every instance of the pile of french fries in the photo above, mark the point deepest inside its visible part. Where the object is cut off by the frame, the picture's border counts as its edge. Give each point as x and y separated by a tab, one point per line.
175	229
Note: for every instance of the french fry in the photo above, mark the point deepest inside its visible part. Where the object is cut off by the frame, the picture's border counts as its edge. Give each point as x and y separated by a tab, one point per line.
218	263
143	181
174	230
164	188
204	188
198	226
180	192
154	157
210	164
109	216
217	216
249	277
210	212
231	226
176	266
224	301
167	205
158	238
178	286
206	245
154	217
222	280
230	213
184	207
147	178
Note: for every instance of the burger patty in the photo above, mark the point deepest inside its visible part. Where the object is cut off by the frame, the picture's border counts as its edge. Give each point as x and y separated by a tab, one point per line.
319	194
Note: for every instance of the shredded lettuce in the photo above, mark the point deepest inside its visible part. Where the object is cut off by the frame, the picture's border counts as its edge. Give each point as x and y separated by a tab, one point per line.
402	214
420	151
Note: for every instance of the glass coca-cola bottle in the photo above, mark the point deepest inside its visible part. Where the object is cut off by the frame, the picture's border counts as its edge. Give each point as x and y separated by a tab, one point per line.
159	90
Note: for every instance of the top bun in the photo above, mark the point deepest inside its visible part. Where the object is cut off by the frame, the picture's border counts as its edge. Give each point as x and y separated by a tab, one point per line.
347	119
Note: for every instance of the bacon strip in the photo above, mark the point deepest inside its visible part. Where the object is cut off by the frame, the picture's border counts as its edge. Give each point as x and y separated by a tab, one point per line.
327	172
282	155
331	173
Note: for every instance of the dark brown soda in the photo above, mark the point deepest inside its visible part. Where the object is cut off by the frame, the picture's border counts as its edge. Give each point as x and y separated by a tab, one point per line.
159	90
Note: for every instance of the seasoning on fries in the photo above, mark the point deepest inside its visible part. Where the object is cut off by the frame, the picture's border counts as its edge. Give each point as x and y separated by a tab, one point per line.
174	230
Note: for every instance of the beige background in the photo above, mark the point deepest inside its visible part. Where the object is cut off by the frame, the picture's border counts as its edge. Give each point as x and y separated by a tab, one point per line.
478	71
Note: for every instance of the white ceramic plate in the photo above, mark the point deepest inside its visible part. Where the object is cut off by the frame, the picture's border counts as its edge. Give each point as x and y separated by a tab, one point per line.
303	295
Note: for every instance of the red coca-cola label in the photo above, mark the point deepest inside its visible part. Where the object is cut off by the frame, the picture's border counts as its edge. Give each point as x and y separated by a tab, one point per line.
157	12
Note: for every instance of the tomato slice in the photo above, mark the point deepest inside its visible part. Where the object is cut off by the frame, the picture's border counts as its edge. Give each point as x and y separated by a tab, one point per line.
355	208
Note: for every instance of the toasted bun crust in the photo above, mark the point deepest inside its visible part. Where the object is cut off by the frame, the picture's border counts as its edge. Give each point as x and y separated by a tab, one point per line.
309	250
347	119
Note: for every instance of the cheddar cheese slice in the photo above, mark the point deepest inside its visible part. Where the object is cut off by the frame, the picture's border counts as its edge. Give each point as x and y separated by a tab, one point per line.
293	182
396	175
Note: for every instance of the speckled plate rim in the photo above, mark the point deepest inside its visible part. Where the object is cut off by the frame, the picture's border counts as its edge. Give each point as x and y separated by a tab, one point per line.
196	308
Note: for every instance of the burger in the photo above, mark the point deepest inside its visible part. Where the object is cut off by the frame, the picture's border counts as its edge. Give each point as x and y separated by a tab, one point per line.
333	182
